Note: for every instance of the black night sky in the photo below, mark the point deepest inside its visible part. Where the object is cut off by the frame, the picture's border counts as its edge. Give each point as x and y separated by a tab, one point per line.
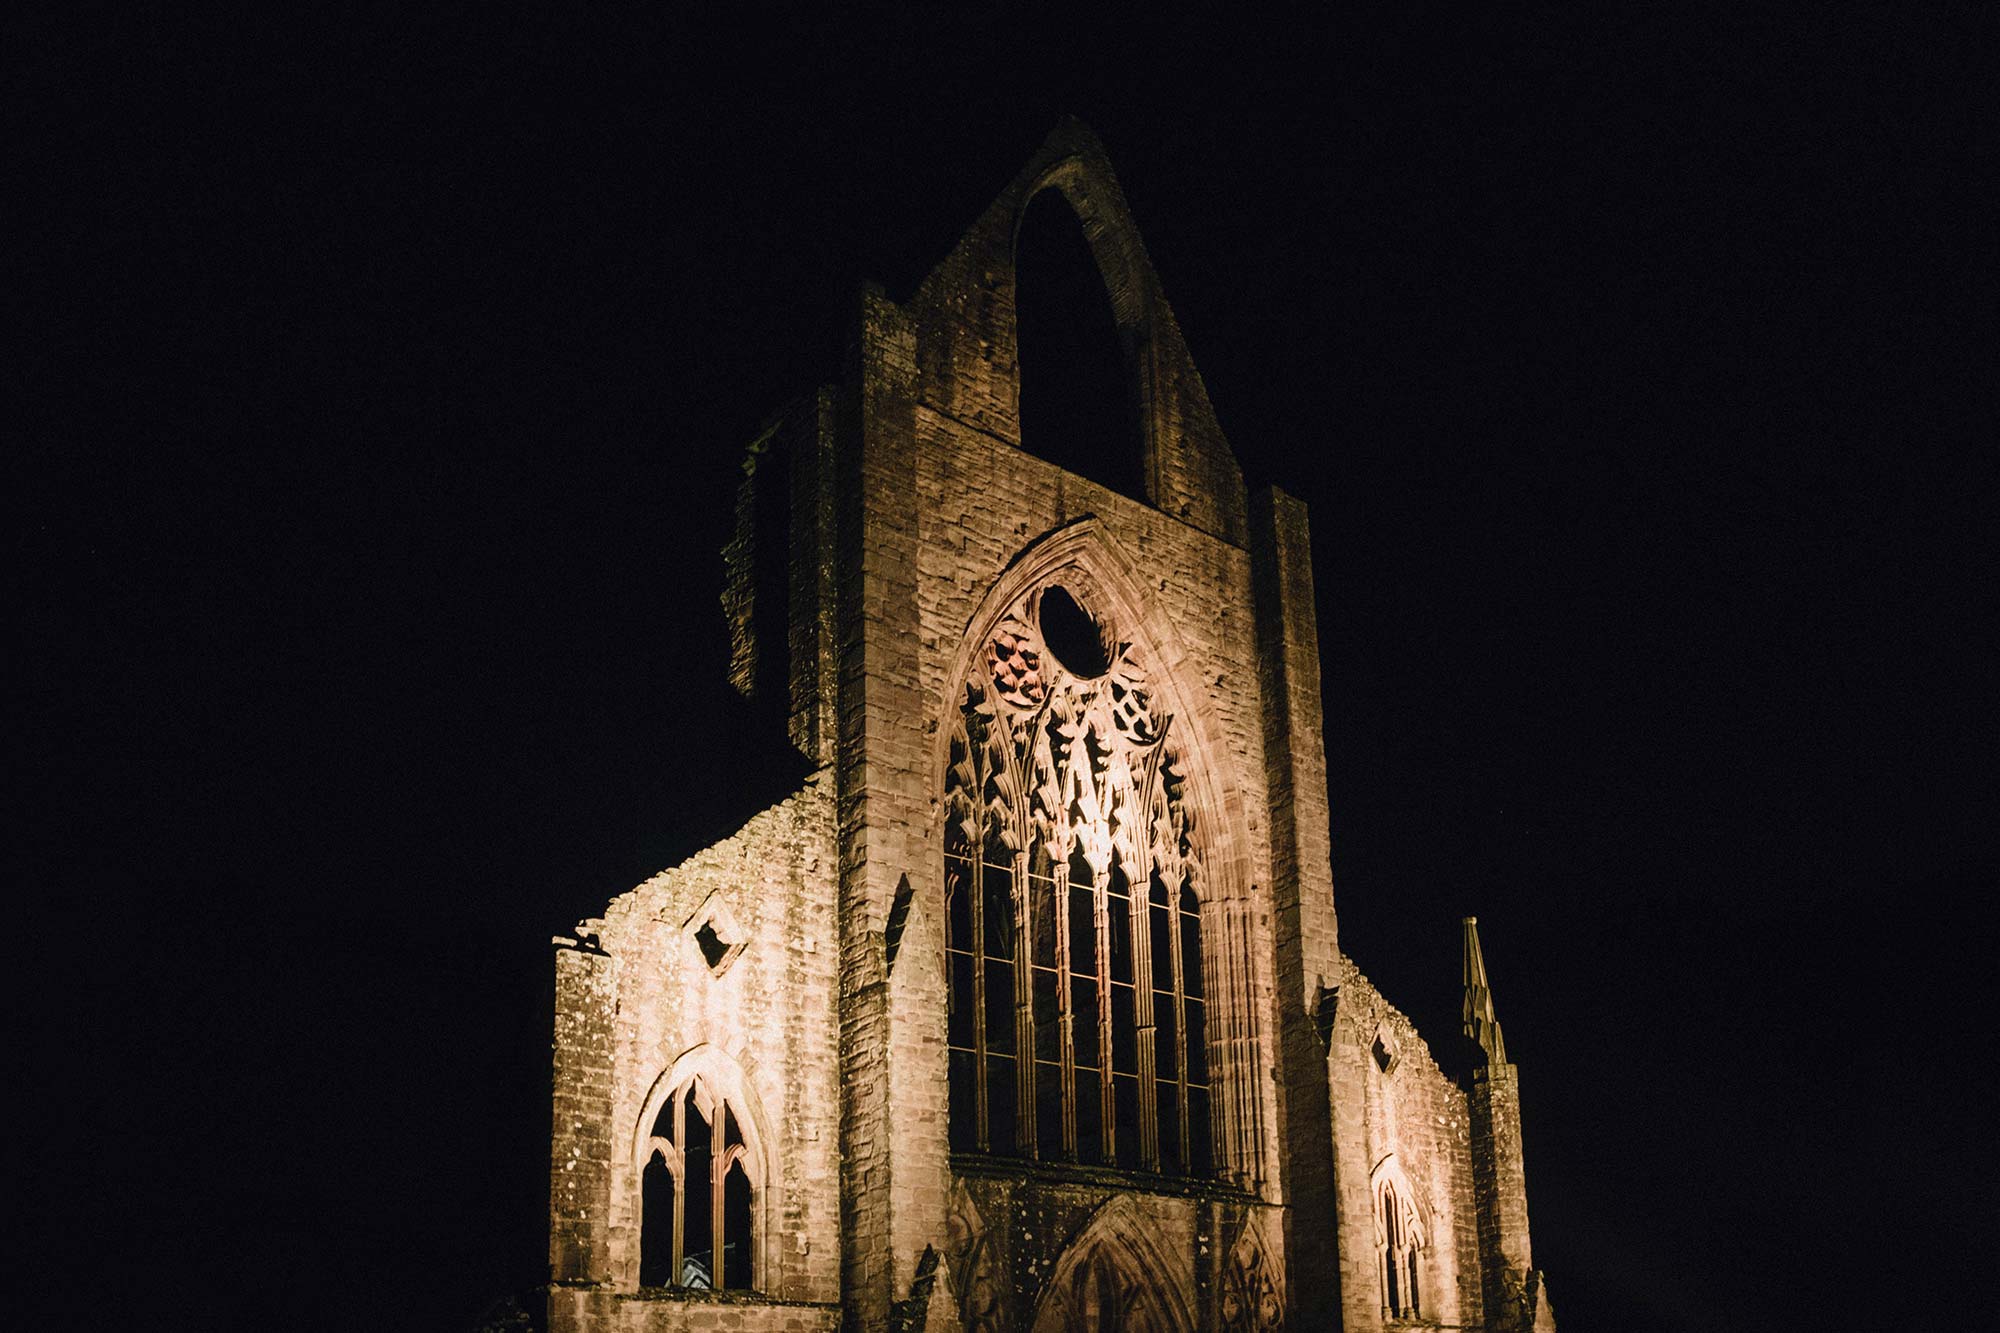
388	380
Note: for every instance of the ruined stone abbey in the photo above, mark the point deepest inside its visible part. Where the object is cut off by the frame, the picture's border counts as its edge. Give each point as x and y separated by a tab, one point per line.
1027	1010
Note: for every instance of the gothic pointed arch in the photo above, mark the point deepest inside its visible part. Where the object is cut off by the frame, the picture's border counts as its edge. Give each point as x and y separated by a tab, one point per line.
1082	312
702	1159
1084	179
972	1259
1092	859
1402	1237
1085	544
1253	1283
1115	1275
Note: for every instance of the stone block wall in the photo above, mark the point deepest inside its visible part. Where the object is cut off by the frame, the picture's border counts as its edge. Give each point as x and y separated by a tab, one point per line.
982	513
1513	1289
779	573
1391	1101
627	1312
1307	951
636	995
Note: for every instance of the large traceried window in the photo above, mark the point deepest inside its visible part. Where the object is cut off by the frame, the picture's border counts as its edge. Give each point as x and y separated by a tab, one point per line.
696	1220
1078	1024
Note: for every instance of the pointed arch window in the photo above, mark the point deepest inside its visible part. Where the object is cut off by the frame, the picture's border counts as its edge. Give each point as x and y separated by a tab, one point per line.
697	1220
1399	1245
1079	392
1077	1026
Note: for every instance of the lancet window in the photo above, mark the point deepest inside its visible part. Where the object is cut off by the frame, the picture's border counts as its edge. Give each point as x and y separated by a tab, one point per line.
1399	1241
696	1221
1078	1024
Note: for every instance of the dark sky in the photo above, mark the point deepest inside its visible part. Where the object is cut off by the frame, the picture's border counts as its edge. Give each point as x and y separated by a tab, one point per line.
389	376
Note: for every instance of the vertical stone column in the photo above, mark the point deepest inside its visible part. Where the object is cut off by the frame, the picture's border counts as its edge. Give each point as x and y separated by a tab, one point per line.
892	1123
1237	1050
583	1141
1359	1298
1301	881
1500	1194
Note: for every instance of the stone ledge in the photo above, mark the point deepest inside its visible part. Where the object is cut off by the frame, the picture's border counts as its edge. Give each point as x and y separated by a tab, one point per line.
1098	1177
710	1296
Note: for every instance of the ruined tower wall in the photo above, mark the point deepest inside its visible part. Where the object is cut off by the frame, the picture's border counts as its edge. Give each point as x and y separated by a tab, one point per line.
885	526
1306	961
935	533
770	1013
1412	1112
981	504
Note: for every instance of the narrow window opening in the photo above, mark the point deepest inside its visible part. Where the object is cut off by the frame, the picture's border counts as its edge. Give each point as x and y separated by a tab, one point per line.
1079	401
899	920
736	1228
698	1220
656	1231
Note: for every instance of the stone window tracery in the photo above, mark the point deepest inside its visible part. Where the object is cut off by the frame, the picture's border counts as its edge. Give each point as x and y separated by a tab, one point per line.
697	1219
1077	1012
1399	1243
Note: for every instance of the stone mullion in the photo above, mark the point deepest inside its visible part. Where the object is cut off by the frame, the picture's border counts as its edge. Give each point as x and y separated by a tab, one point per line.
1065	1000
1241	1114
1142	1017
1024	1005
1180	1014
1022	759
718	1172
1107	1082
1216	1000
976	887
680	1187
1140	903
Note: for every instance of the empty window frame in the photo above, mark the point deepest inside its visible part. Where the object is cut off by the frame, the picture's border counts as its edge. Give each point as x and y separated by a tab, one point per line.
1399	1241
696	1219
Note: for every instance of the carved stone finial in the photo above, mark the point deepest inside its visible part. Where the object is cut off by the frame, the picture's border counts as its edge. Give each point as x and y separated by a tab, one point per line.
1482	1024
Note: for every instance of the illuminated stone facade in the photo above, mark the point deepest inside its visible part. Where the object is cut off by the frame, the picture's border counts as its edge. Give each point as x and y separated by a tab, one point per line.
1027	1011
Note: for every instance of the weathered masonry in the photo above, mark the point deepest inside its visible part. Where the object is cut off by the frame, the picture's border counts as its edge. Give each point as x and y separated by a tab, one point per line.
1027	1011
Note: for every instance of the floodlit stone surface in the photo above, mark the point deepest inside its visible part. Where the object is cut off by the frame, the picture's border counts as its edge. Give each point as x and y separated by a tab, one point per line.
894	532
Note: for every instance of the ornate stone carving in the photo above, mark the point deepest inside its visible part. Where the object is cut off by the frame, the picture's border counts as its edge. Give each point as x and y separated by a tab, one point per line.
974	1267
1114	1276
1253	1296
1063	783
1076	762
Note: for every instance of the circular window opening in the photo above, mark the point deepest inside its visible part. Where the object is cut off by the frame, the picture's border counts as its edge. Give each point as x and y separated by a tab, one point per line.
1073	636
